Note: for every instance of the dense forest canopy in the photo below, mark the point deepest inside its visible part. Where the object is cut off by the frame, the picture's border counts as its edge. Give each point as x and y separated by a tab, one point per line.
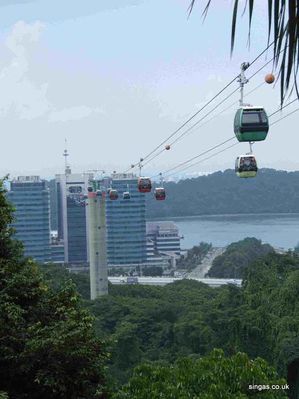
51	346
194	256
48	345
237	257
186	319
225	193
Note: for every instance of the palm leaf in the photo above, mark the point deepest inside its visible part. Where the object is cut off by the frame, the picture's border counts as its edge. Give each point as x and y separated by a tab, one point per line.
283	27
234	22
269	19
205	11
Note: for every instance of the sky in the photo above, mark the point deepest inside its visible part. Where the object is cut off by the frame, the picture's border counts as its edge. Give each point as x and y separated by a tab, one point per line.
116	77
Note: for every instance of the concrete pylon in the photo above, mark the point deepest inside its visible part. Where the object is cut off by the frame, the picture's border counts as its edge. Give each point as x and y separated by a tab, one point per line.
97	244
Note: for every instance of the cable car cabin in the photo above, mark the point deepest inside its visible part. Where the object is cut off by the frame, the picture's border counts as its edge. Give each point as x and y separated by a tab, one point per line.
113	194
246	166
160	193
144	184
126	195
251	124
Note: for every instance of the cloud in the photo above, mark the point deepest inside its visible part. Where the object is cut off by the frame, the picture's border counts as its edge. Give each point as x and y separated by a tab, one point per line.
73	113
57	10
23	36
24	98
4	3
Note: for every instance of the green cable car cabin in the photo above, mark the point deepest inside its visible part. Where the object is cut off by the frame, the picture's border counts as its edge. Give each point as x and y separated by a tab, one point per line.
246	166
251	124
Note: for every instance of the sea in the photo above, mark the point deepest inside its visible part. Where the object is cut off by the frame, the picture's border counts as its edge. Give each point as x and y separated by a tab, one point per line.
279	230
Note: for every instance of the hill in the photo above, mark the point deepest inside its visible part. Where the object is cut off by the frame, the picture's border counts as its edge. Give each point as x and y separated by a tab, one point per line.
272	191
237	257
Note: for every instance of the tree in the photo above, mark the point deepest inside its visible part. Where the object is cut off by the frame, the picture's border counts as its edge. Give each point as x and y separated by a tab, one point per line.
194	256
283	28
223	193
56	275
210	377
237	257
48	347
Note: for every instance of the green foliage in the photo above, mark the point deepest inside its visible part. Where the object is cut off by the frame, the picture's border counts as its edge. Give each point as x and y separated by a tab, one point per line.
187	318
223	193
9	249
57	275
210	377
237	257
48	346
194	256
148	322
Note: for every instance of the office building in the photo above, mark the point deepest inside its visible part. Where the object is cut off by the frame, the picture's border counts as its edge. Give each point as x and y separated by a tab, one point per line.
56	248
72	215
126	229
165	237
30	197
153	258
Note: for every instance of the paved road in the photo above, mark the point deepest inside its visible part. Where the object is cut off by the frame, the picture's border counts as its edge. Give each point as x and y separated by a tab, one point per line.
212	282
201	270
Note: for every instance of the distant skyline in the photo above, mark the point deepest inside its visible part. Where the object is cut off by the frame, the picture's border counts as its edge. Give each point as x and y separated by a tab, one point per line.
116	77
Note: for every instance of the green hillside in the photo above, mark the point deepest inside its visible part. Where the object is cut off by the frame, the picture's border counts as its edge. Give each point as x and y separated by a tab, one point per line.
272	191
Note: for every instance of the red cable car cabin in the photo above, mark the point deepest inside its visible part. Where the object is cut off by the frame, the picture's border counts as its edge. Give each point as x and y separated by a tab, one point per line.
160	193
113	194
144	184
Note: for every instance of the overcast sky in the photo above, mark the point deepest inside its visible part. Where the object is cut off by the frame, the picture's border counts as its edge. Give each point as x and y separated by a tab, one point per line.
116	77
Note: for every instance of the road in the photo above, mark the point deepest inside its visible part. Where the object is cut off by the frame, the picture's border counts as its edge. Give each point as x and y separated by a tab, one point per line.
212	282
201	270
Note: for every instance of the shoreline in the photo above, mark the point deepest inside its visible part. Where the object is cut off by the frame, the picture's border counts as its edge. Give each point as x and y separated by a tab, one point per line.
223	215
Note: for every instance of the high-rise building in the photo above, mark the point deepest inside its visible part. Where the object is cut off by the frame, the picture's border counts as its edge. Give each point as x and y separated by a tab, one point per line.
72	215
30	196
53	204
56	247
153	258
165	237
126	231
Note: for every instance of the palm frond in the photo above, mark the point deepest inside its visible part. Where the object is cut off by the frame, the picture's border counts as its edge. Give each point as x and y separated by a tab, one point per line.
234	22
283	29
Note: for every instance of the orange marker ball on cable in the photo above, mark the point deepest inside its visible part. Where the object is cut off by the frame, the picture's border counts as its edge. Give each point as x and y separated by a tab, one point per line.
269	78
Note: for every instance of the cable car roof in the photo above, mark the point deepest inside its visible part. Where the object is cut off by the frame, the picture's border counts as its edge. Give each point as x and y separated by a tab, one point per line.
252	107
246	155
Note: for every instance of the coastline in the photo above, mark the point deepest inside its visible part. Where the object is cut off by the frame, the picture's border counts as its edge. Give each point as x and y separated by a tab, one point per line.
231	215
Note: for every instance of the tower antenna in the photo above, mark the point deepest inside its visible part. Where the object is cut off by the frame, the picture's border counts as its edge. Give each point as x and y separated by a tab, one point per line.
67	169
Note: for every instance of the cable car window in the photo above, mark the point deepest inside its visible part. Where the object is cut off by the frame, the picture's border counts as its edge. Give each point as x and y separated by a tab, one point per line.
263	117
251	118
75	189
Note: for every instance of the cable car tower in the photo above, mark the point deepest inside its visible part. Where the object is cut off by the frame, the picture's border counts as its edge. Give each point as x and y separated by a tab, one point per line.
97	231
